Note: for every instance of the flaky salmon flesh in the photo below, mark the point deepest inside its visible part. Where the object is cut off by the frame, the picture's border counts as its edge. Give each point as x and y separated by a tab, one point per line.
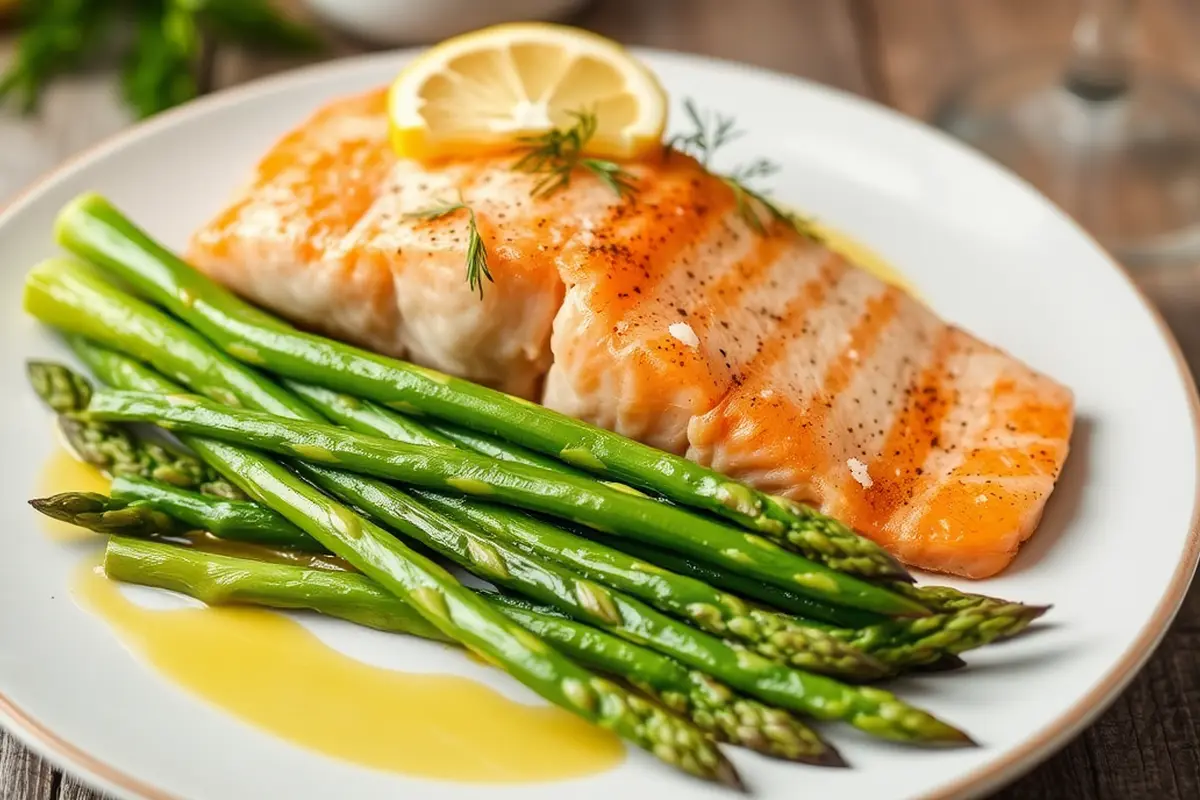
662	316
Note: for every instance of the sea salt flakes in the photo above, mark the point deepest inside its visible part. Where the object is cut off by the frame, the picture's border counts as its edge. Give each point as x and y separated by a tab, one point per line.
858	471
684	333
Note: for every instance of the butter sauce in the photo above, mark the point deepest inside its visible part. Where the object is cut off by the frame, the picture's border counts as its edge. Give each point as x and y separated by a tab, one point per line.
268	670
287	681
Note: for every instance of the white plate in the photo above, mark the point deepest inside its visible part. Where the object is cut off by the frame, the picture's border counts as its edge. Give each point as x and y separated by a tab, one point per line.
1114	554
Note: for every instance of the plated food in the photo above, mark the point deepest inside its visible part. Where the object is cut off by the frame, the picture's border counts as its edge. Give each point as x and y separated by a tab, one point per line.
626	582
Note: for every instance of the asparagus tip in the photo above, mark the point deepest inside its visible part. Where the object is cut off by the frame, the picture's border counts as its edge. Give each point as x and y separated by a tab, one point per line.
829	757
1033	612
67	506
953	737
728	776
898	571
946	663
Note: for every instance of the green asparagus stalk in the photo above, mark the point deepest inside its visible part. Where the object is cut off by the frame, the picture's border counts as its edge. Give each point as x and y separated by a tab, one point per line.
899	645
92	228
142	508
798	605
584	501
874	711
62	389
110	448
102	514
139	507
221	580
226	580
235	520
74	299
963	622
765	632
948	600
144	330
712	705
424	585
905	644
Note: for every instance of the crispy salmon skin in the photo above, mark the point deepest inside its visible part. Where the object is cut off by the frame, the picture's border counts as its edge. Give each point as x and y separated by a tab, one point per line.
665	317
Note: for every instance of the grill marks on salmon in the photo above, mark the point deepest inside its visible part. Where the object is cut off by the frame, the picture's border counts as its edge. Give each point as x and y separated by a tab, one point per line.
663	317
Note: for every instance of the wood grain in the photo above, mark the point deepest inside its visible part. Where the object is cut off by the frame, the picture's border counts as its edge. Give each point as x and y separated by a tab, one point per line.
906	53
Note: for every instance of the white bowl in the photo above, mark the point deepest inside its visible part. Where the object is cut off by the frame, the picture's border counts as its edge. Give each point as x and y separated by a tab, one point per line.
416	21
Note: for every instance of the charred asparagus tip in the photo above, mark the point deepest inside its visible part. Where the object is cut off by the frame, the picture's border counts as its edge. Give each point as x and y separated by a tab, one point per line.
946	663
728	776
829	757
1033	612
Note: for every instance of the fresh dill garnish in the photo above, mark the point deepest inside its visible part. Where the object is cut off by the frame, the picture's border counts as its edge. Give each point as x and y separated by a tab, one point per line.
711	132
557	153
477	254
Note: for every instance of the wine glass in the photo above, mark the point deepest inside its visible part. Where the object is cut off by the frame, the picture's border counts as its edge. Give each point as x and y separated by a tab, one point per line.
1115	145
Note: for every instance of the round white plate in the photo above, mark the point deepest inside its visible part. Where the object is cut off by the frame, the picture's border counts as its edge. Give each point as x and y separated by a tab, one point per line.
1114	554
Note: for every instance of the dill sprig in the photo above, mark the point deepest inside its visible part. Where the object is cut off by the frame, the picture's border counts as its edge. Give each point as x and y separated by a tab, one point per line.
711	132
557	153
477	254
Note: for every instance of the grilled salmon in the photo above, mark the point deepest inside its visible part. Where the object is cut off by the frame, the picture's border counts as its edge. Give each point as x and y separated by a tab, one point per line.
664	316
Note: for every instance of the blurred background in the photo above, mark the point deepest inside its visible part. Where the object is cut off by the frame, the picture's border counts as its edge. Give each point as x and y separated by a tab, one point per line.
1093	101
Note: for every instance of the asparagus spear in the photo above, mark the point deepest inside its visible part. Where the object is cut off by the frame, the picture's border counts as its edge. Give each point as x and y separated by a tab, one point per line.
777	597
584	501
102	514
219	580
141	508
431	590
92	228
61	294
963	622
236	520
872	710
767	633
60	388
111	448
226	580
903	644
709	703
74	299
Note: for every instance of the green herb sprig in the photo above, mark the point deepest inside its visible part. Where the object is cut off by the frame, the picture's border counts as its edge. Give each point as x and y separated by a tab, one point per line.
477	254
165	56
557	153
712	131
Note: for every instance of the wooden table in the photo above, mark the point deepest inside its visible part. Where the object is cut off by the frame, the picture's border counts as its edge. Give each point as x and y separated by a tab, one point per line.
900	52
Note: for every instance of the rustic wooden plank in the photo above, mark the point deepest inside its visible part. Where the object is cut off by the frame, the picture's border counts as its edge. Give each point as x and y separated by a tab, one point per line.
23	775
72	789
1147	745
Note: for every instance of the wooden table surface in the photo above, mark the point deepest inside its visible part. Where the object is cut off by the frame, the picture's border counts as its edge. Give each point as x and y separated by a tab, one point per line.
903	53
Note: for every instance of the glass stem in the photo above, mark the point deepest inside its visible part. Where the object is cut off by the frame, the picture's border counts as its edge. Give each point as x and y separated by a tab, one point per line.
1098	65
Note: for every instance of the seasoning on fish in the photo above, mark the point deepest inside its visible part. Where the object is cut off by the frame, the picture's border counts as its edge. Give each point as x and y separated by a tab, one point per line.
664	316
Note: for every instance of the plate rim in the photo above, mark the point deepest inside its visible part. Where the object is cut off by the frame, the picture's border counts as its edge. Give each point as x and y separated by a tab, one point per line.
1024	757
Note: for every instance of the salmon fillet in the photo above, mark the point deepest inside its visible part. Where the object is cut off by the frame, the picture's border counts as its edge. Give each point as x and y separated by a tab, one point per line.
663	317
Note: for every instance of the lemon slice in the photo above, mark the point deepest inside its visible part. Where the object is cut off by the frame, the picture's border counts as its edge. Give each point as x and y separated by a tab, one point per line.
477	92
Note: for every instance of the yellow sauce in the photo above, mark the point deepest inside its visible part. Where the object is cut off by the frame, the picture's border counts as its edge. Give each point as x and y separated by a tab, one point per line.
267	670
858	253
65	473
